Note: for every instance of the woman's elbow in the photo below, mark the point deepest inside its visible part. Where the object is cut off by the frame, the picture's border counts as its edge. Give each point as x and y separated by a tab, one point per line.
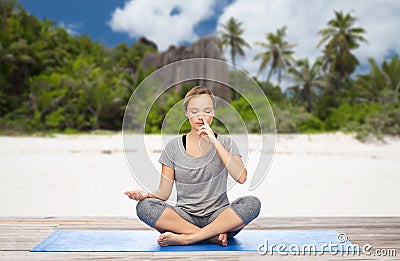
243	176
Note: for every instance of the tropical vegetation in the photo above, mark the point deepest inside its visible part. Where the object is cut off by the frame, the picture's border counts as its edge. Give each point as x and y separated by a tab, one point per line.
51	81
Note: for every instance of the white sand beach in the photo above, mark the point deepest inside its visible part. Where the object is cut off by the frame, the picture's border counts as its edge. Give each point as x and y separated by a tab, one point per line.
311	175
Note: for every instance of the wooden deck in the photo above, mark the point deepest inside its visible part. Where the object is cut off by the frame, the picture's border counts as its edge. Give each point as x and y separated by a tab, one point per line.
19	235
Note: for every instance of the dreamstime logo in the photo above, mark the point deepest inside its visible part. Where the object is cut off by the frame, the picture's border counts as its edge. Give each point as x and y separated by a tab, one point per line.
207	72
340	246
342	238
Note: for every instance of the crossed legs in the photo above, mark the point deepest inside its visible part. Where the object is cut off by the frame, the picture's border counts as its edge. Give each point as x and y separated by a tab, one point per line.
177	230
181	232
227	221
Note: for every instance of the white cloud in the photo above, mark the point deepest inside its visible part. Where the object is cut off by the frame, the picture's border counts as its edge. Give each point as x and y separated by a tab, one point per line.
304	18
156	20
72	29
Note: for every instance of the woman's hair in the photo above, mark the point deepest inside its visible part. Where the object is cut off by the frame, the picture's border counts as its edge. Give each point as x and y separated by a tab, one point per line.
198	90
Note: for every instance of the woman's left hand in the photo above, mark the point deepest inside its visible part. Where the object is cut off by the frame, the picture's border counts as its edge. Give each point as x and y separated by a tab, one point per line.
206	130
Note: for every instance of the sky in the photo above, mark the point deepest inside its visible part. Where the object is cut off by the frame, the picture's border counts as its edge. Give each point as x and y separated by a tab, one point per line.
181	22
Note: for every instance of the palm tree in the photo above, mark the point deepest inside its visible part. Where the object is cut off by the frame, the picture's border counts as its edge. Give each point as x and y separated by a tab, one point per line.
392	69
387	78
278	53
341	37
307	78
231	37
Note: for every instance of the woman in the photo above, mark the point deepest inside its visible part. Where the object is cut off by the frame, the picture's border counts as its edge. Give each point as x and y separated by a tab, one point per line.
198	163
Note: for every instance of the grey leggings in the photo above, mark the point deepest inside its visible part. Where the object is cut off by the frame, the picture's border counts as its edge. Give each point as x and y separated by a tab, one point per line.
247	208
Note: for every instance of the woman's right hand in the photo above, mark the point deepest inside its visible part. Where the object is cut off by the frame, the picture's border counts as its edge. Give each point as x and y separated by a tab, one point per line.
137	194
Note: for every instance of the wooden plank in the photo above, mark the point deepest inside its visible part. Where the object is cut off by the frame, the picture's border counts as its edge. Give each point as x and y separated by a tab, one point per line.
18	235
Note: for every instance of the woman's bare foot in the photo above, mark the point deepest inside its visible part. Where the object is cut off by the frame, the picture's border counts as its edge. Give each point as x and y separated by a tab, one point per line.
220	239
172	239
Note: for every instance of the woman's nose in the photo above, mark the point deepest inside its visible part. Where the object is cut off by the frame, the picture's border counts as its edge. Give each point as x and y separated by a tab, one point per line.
199	116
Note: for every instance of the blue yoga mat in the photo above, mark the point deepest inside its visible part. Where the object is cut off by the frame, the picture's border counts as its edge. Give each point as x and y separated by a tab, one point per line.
146	241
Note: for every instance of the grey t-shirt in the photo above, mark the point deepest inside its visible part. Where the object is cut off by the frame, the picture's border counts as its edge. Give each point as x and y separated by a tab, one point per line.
201	182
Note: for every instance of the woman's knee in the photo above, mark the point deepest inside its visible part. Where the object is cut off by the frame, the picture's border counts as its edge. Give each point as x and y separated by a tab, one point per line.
255	203
149	210
247	207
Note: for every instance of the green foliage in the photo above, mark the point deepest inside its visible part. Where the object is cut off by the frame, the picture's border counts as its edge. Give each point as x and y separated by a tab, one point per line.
367	119
52	81
291	119
171	104
246	113
350	115
378	125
